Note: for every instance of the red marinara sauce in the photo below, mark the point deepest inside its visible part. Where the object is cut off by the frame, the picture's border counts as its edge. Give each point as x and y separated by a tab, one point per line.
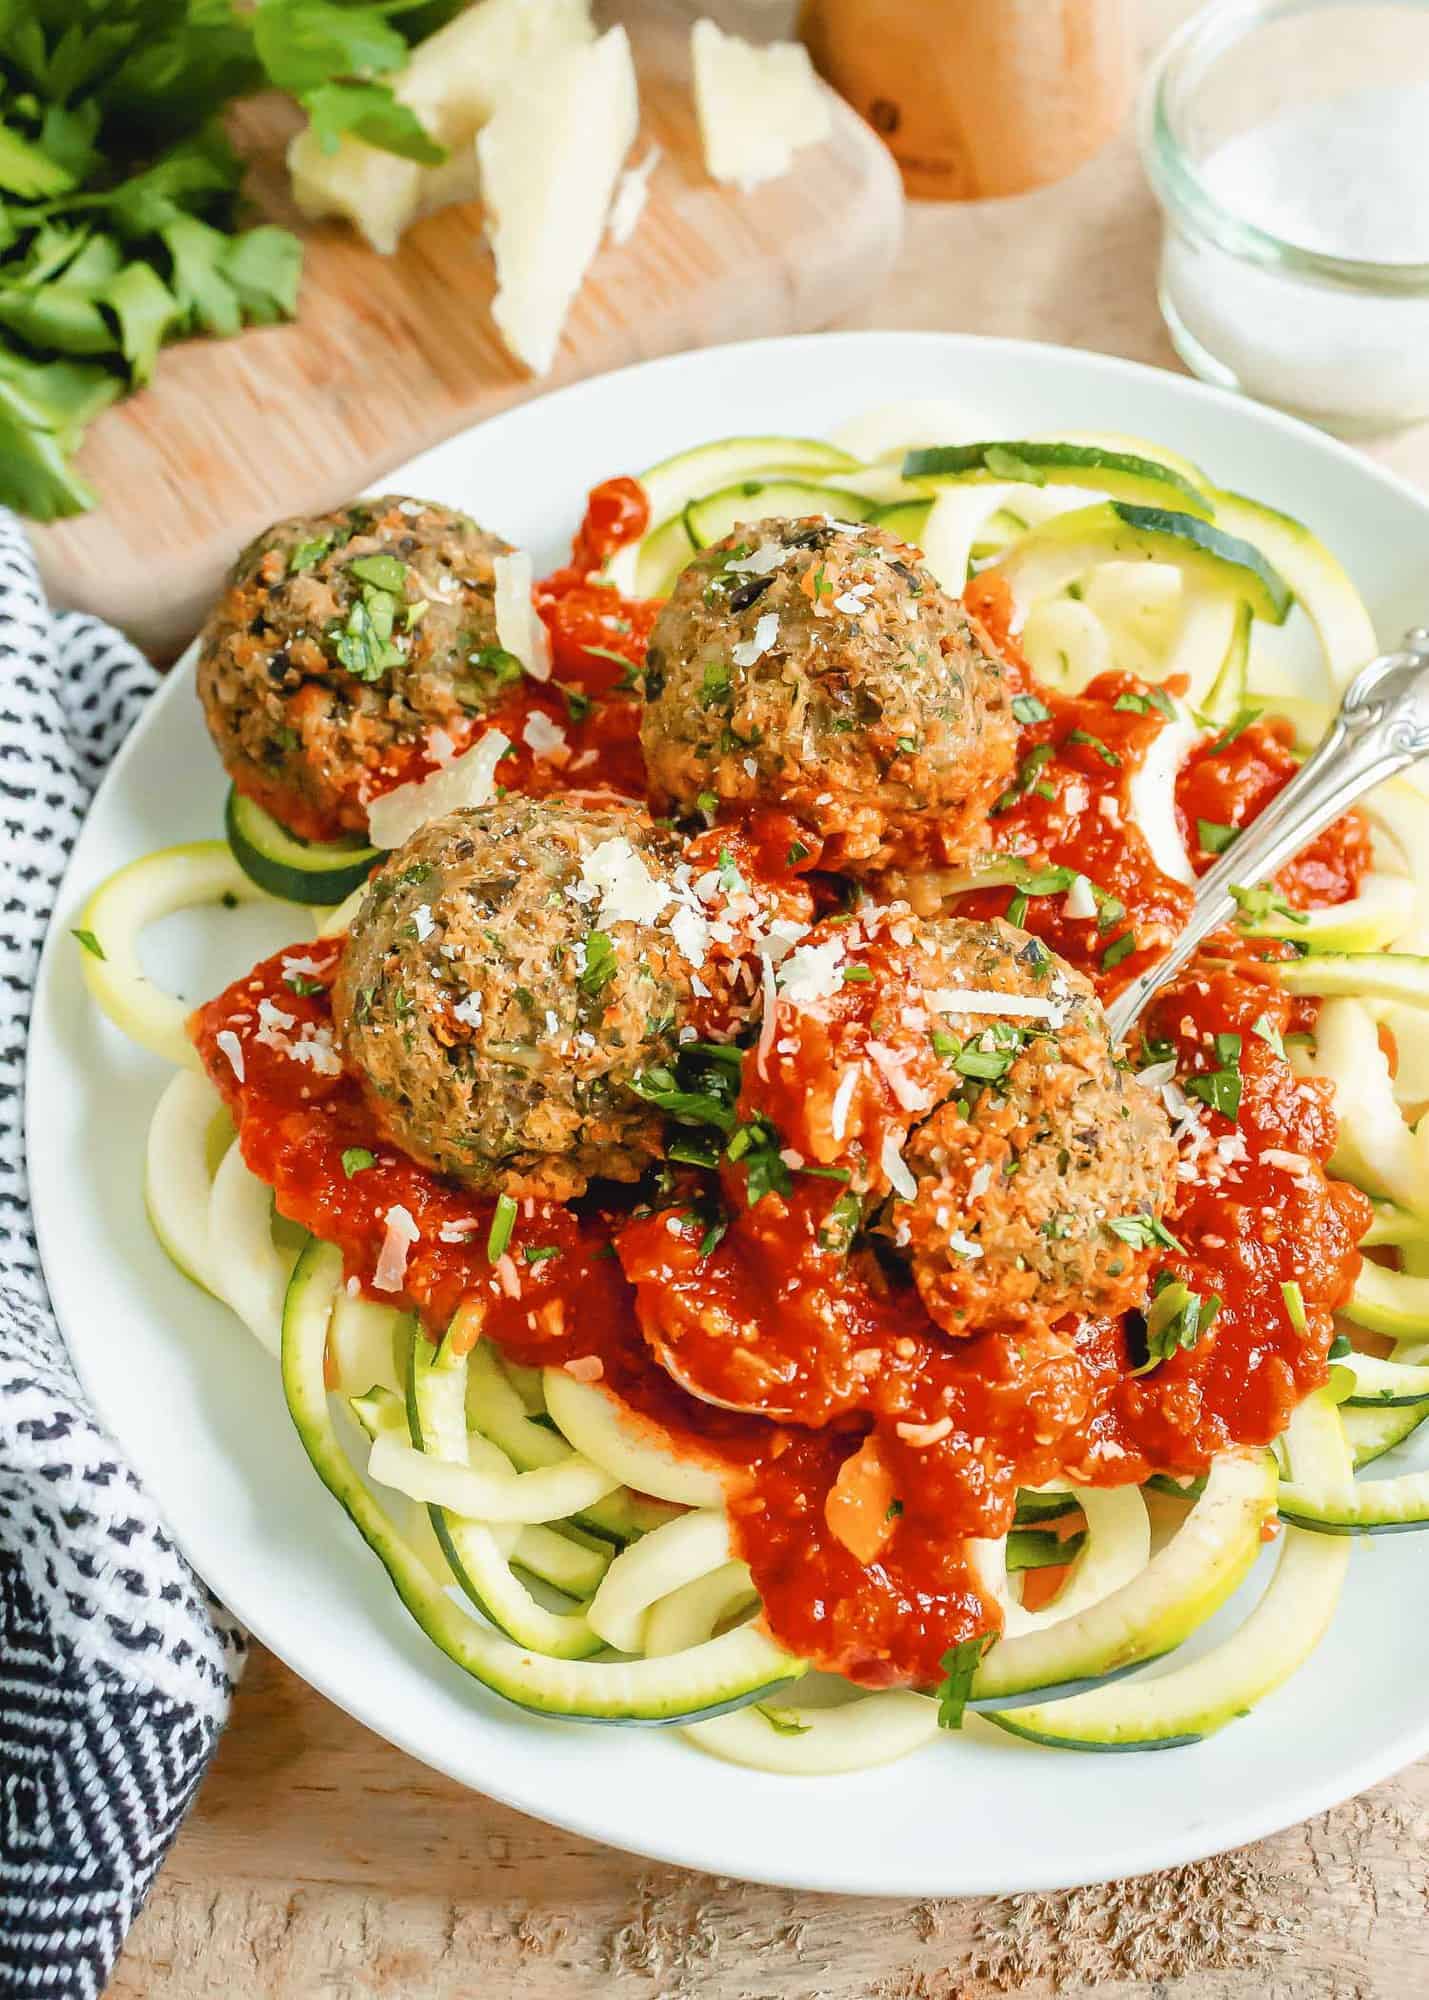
849	1391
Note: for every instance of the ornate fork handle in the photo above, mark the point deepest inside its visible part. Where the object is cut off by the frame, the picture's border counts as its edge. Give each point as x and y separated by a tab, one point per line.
1382	726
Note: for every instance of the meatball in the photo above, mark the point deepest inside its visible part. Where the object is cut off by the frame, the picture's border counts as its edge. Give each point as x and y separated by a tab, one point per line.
507	976
1040	1179
817	667
341	643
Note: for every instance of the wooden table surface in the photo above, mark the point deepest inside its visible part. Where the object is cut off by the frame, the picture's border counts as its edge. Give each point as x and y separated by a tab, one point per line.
321	1864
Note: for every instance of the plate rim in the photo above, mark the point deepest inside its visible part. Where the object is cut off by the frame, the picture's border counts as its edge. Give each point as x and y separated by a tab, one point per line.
1254	1817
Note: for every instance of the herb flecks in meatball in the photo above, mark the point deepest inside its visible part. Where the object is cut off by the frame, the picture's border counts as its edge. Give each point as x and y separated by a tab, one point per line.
816	666
510	972
348	651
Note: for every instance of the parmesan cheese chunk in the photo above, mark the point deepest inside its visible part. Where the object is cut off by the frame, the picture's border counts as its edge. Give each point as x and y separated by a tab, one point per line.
454	81
1151	796
520	628
401	1233
631	194
812	972
756	106
549	159
469	780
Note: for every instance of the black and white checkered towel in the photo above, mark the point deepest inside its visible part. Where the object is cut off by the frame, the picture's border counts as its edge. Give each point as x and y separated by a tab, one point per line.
116	1666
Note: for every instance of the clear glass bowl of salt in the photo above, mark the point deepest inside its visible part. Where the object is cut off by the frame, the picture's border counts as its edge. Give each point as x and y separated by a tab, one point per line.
1288	144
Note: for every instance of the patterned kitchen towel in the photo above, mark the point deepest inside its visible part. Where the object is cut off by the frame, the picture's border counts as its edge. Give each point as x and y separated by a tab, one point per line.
116	1666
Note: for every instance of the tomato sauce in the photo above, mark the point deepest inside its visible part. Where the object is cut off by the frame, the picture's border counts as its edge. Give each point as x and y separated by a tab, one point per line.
829	1355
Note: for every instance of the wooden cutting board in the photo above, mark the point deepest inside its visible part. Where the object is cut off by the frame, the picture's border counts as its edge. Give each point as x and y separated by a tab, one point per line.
390	354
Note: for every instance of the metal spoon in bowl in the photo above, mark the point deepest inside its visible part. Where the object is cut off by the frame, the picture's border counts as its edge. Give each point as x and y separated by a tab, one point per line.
1382	726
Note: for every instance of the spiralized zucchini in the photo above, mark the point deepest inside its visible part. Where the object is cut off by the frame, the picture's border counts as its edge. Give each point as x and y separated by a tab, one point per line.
556	1547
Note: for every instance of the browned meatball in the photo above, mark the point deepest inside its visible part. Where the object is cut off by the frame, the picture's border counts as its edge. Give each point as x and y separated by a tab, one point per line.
1041	1177
498	1006
817	667
342	642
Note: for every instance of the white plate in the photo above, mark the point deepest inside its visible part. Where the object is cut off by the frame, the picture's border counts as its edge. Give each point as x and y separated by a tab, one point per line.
197	1405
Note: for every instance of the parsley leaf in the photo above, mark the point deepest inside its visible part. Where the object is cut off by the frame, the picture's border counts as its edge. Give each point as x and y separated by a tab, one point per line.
1220	1088
91	943
1214	837
1030	708
1094	743
1258	906
356	1160
600	964
1176	1318
1142	1232
959	1664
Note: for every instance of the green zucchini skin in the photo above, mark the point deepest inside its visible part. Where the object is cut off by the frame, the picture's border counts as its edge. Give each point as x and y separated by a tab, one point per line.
298	871
1120	474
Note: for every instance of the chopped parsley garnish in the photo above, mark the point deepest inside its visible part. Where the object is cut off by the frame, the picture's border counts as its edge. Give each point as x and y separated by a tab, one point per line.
1030	708
730	879
1266	1030
1235	729
840	1225
578	703
1142	1232
699	1087
382	572
309	552
503	1221
299	983
1214	837
797	853
1117	950
857	975
1176	1318
1017	909
356	1160
757	1144
1294	1305
600	964
944	1044
363	644
1028	772
90	942
1142	704
990	1055
959	1664
708	803
1258	906
1107	755
715	686
1220	1087
540	1253
1340	1348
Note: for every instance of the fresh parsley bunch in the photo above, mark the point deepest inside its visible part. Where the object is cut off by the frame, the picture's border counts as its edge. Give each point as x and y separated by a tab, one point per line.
120	194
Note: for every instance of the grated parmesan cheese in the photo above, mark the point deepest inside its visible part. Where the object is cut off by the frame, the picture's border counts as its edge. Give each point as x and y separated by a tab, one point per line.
233	1049
843	1097
628	892
812	972
543	737
981	1000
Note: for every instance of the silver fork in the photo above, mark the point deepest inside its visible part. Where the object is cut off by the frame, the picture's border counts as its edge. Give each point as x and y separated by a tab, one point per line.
1382	726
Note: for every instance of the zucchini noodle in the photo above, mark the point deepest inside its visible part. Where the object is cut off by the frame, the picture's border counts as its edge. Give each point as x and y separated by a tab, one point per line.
553	1544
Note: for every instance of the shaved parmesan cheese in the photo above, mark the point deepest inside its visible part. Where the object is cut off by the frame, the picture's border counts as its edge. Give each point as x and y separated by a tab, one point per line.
628	892
981	1000
1151	796
762	561
631	195
520	628
233	1049
921	1435
964	1245
747	651
549	158
401	1233
908	1093
1079	902
890	1159
756	106
691	932
453	81
813	972
767	1017
470	780
843	1098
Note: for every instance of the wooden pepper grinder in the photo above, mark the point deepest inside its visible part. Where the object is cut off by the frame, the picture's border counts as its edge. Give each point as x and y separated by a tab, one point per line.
978	97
